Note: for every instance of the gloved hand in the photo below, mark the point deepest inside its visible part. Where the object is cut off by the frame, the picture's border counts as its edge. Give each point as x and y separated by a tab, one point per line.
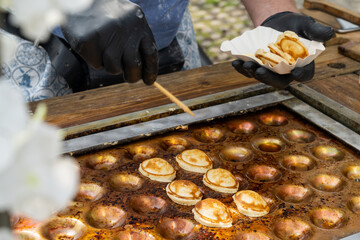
305	27
114	34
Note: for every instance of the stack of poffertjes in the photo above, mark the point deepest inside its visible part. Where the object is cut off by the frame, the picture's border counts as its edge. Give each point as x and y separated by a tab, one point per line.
288	48
209	212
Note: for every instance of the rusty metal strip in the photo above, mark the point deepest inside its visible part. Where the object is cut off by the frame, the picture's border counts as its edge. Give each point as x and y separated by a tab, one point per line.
117	136
328	106
338	130
166	110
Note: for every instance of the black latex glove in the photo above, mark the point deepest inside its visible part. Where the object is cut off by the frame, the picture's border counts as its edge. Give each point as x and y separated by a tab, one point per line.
305	27
114	34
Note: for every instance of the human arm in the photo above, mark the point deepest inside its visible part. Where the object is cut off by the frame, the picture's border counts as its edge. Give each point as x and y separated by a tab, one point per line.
259	10
282	16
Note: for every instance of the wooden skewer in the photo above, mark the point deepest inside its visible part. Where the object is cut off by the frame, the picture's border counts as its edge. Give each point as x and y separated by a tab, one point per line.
173	98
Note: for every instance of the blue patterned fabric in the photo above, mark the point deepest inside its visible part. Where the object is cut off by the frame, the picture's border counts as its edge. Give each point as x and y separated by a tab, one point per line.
187	41
31	71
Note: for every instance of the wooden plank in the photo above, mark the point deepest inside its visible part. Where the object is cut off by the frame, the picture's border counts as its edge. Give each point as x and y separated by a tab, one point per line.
119	99
330	63
328	106
344	89
102	103
351	49
353	36
322	17
334	9
165	110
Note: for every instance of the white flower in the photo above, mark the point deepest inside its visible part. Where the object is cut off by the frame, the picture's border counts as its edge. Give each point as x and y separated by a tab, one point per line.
5	234
34	180
12	120
71	6
36	18
8	45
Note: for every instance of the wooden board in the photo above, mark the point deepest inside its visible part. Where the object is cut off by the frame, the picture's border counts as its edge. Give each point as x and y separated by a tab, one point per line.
351	49
334	9
330	63
111	101
322	17
344	89
102	103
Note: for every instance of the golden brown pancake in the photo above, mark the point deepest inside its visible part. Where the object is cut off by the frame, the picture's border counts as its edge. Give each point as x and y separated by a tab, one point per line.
194	160
288	49
157	169
268	57
212	213
275	49
183	192
289	42
251	203
221	180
